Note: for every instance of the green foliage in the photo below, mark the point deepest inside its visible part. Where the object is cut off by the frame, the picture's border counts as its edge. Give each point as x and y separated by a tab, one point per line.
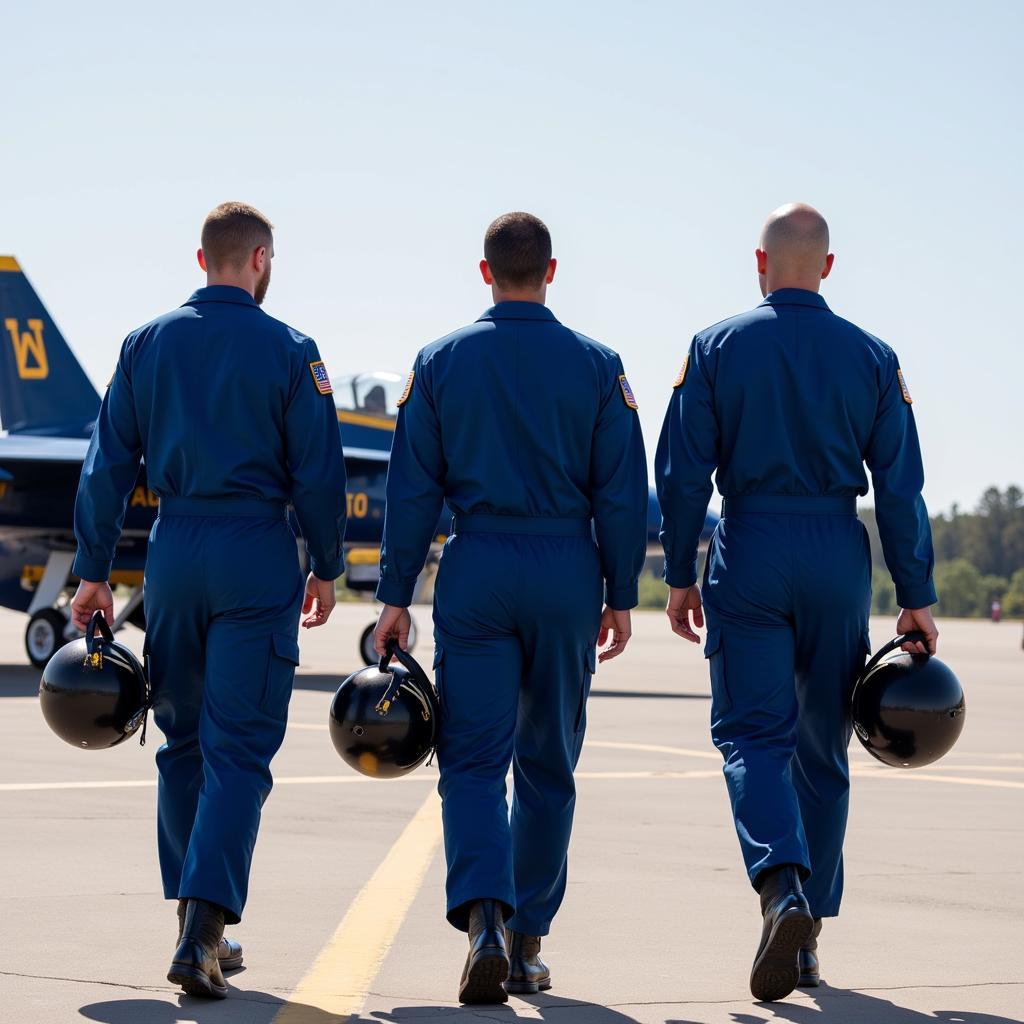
979	557
653	591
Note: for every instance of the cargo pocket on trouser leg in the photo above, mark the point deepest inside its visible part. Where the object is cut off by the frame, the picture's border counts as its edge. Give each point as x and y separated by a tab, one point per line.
277	688
589	668
715	654
442	697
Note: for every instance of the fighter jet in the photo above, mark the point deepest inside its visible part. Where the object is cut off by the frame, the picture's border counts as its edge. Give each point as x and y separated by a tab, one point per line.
48	409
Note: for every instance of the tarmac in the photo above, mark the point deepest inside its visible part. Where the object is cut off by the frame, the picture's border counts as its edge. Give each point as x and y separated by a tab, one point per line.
345	920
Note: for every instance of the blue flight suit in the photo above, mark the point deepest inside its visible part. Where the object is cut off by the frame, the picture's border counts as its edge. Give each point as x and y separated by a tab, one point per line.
530	433
787	402
232	411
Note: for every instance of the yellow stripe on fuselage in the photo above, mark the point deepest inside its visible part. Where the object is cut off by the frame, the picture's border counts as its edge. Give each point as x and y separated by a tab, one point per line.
9	263
363	420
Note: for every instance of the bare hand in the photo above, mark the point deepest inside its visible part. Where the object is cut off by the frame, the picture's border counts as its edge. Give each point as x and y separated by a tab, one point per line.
394	623
918	619
320	599
619	624
88	598
684	602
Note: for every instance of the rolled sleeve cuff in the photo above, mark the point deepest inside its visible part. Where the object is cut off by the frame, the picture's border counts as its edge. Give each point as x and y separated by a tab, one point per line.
916	595
397	593
92	570
328	570
621	598
680	575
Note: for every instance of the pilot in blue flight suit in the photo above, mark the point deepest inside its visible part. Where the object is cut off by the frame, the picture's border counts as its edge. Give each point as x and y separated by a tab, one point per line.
530	432
232	412
787	403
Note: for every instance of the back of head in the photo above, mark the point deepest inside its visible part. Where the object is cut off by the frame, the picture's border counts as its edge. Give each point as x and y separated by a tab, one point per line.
517	247
231	232
794	243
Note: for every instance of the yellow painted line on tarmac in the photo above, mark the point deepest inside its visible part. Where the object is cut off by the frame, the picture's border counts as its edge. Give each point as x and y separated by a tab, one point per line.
919	776
342	974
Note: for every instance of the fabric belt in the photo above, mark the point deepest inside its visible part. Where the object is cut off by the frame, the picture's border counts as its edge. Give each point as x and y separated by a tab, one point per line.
255	508
539	526
790	504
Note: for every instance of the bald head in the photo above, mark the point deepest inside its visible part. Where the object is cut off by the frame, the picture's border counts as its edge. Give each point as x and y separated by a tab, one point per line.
793	252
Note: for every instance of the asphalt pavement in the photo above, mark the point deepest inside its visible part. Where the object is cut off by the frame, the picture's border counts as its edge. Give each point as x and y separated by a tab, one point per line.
345	920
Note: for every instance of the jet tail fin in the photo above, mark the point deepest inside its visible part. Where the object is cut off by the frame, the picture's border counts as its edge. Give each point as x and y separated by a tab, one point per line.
43	388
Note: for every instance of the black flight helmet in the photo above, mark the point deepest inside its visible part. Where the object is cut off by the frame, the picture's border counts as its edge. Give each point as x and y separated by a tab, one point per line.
383	720
94	693
908	709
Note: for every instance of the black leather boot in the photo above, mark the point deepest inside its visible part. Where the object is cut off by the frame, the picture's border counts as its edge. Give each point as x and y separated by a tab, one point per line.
527	973
487	964
810	976
787	926
229	952
195	966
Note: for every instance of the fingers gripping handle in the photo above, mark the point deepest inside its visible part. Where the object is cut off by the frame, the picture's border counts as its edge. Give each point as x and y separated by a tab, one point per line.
97	622
404	658
914	636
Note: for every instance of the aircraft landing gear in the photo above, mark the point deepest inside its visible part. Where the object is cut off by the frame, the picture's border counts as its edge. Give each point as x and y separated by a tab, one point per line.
44	635
369	655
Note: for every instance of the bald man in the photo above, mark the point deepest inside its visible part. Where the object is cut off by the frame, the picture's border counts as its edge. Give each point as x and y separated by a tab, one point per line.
788	402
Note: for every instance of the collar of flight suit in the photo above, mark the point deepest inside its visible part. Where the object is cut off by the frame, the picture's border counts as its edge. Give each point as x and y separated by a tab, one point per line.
221	293
519	311
794	297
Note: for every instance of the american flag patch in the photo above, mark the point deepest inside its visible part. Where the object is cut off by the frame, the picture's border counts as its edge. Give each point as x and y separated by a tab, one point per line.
320	378
627	392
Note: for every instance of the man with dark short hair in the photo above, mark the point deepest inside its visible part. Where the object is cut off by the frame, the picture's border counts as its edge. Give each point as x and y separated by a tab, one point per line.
787	403
530	432
232	412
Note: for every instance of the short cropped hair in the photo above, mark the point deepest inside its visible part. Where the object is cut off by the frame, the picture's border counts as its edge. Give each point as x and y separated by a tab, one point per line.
231	232
517	247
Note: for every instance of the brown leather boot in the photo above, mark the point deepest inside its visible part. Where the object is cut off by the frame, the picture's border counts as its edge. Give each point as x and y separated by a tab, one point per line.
195	966
787	926
810	975
527	974
229	952
487	963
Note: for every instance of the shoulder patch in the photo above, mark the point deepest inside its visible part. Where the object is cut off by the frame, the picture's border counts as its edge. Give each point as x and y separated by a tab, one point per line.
408	388
681	376
904	390
320	378
627	392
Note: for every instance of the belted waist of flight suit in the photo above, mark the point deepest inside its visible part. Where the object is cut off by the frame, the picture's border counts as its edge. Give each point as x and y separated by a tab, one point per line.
790	504
255	508
539	526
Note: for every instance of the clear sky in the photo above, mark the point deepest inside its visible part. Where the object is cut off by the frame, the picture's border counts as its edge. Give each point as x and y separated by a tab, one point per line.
653	138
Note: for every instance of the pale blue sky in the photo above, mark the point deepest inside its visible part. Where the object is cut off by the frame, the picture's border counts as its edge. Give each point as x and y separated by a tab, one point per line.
652	137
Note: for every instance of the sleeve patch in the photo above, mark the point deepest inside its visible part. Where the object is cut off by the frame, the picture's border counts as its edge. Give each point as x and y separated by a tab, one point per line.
408	388
681	376
320	378
627	392
904	390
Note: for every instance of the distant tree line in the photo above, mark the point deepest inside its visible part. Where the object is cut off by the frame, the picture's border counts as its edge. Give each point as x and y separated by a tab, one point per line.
979	558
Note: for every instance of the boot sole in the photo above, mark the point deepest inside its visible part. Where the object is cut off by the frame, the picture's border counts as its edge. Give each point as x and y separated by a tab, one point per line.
484	982
809	981
231	963
527	988
195	982
776	971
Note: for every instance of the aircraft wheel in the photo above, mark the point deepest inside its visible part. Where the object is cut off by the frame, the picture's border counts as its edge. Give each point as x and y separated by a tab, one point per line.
369	655
44	636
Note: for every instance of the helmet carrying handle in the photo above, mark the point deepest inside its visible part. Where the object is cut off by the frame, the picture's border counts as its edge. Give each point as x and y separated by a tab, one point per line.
914	636
404	658
97	622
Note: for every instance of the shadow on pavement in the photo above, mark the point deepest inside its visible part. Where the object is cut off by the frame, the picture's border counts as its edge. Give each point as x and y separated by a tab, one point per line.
846	1006
262	1008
